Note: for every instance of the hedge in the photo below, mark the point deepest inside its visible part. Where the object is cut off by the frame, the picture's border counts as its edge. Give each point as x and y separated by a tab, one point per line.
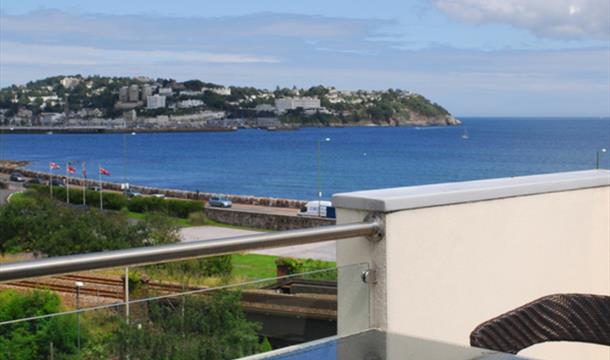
182	208
118	201
142	204
172	207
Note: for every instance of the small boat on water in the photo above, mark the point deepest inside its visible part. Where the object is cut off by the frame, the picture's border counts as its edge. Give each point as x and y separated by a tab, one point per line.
465	134
49	133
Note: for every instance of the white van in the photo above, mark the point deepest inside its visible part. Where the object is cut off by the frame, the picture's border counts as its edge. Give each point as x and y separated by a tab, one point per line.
315	208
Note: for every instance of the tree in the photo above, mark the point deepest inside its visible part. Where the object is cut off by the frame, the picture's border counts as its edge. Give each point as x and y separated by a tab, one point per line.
36	223
210	326
193	85
32	339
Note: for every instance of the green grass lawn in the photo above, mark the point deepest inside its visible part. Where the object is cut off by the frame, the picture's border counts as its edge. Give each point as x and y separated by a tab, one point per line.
210	222
253	266
256	266
186	222
177	221
16	196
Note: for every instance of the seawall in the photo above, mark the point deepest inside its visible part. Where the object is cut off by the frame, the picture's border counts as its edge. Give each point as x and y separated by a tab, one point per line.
264	220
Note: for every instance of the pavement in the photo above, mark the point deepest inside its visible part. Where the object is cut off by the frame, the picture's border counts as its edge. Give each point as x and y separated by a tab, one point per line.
263	209
319	251
3	195
12	188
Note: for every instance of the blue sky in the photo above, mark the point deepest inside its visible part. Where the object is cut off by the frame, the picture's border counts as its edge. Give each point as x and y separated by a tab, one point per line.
475	57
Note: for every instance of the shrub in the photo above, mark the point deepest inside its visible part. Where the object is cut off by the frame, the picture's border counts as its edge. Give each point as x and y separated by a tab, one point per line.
220	266
114	201
197	218
30	339
143	204
296	266
217	266
36	223
292	265
211	327
93	198
182	208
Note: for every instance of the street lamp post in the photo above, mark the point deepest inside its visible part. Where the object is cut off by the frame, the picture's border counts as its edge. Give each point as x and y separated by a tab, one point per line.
1	142
78	285
598	155
318	174
126	160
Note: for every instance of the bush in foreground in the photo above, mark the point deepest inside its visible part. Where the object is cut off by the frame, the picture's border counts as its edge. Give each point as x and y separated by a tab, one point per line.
32	339
35	223
195	327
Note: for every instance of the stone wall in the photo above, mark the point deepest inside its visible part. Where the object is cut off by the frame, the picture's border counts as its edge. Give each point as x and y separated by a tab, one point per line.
265	221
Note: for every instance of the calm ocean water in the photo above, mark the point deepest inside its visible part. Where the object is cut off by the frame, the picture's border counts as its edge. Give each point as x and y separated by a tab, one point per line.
283	164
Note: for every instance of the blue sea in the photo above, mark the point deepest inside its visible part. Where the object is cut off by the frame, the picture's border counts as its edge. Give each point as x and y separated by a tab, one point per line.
284	163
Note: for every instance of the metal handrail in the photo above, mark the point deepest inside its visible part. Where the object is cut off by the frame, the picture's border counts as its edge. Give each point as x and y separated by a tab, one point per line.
163	253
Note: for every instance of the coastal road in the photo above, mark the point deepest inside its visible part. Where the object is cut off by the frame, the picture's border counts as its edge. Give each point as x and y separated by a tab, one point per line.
3	195
263	209
319	251
12	188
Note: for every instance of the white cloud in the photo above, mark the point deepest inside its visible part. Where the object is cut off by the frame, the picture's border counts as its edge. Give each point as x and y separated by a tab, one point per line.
564	19
33	54
186	33
270	49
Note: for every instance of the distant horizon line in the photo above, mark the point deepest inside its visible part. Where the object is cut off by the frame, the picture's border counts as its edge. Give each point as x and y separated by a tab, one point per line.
524	117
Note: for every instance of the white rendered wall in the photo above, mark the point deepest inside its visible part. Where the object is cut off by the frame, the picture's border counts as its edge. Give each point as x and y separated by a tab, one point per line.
445	269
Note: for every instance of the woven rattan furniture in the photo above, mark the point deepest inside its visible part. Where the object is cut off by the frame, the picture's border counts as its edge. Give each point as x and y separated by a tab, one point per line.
560	317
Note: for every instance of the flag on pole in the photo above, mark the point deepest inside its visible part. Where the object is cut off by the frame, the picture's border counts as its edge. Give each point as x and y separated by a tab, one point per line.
52	166
69	170
102	171
84	172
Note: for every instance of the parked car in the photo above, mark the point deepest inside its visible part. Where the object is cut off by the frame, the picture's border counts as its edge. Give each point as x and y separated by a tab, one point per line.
159	196
220	201
34	181
316	208
93	187
17	177
57	182
131	193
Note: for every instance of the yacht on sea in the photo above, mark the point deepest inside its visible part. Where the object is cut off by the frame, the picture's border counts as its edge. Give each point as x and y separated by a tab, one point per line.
465	134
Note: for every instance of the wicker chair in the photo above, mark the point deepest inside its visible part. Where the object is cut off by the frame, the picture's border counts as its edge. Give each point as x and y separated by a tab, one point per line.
560	317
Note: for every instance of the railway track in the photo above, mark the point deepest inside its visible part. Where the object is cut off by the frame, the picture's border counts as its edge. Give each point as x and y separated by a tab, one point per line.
277	308
45	285
317	304
94	285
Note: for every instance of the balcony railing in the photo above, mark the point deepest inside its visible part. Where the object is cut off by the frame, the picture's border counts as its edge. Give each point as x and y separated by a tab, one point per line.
428	261
157	254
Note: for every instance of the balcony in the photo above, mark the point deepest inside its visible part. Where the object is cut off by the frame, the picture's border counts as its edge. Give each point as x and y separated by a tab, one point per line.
418	269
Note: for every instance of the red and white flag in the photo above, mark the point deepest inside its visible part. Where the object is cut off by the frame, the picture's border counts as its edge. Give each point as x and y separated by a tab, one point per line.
54	166
70	169
104	172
